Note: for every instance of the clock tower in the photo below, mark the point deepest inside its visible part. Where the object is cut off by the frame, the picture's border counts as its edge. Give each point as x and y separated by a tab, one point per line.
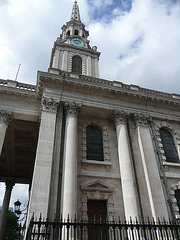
72	51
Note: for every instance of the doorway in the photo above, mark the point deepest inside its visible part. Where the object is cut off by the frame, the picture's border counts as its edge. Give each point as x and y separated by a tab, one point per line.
97	213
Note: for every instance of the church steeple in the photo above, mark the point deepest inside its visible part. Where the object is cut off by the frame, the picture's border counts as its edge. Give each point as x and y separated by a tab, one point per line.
75	12
72	51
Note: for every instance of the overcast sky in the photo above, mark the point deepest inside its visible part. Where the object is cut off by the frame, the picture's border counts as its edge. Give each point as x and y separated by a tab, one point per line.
139	40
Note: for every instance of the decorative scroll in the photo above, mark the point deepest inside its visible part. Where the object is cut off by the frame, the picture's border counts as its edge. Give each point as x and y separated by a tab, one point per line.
49	104
121	116
72	108
5	116
141	119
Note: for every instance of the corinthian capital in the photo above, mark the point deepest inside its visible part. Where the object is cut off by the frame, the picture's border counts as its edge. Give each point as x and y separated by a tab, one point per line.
5	117
141	119
49	104
121	116
71	108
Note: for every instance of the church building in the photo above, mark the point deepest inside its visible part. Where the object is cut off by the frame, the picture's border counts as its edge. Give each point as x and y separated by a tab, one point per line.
86	145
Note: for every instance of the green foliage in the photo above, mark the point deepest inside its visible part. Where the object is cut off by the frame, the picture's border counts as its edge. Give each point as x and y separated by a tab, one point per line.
11	226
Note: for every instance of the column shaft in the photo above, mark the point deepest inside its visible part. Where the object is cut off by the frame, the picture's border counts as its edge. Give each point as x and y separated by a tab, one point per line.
126	170
69	189
4	210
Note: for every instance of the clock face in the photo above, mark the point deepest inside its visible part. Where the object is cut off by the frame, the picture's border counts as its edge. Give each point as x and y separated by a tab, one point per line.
77	42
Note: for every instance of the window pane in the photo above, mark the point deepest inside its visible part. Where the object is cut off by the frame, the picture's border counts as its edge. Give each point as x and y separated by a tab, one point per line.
77	64
169	146
94	143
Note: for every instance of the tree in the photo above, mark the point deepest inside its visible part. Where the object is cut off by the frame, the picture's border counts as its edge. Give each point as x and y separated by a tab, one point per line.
11	226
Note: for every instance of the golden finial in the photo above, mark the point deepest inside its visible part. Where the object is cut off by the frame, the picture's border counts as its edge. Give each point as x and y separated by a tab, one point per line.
75	1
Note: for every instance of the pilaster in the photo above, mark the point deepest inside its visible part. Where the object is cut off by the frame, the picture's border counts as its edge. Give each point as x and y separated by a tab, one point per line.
153	203
40	190
5	117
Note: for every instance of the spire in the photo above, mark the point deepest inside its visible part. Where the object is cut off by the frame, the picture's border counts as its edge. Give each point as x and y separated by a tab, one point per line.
75	12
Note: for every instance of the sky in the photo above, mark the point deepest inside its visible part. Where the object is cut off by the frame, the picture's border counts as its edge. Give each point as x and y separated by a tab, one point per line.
139	41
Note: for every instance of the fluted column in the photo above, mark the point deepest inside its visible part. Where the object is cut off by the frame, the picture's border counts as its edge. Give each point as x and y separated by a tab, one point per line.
4	119
5	207
69	188
40	190
153	201
125	163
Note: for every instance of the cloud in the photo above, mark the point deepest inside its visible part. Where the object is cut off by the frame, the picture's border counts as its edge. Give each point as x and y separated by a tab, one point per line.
20	191
141	46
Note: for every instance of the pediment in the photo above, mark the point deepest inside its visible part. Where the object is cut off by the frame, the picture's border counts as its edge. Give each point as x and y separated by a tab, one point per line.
97	185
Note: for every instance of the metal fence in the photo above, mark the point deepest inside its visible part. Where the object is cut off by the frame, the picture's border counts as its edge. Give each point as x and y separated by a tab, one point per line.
102	230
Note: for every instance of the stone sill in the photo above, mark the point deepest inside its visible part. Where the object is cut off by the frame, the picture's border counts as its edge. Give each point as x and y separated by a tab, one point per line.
169	164
94	162
105	164
178	217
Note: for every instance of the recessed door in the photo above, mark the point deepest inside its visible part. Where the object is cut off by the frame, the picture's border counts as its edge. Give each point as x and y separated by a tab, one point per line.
97	212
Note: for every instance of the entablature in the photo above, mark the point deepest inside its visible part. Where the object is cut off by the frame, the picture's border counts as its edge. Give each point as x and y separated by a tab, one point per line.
144	98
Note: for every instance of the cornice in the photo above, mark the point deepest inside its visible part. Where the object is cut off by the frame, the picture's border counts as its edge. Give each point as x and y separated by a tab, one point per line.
112	88
69	46
9	87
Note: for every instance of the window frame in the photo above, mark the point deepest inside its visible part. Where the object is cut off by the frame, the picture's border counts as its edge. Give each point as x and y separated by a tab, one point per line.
167	141
97	144
106	149
76	66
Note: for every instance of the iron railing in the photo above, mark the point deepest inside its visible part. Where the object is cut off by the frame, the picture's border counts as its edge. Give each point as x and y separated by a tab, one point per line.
102	230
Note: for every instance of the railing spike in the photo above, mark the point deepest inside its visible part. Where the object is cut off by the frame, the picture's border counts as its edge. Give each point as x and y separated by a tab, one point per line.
75	218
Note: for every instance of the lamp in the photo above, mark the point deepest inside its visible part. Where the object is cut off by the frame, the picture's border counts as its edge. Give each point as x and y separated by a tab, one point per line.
17	210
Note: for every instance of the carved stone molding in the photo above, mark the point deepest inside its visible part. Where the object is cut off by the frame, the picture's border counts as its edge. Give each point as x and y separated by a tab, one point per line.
5	116
175	187
49	104
121	117
97	190
106	149
168	126
141	119
72	108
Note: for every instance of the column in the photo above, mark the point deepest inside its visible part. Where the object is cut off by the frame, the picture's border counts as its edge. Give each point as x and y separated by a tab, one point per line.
4	118
96	67
89	66
153	203
40	190
55	63
65	61
5	207
125	164
69	183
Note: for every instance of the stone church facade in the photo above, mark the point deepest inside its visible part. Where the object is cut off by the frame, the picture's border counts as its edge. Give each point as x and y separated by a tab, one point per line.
88	145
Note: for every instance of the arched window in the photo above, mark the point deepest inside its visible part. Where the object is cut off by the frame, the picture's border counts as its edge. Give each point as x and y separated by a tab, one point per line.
77	64
177	196
94	143
76	32
169	146
68	33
